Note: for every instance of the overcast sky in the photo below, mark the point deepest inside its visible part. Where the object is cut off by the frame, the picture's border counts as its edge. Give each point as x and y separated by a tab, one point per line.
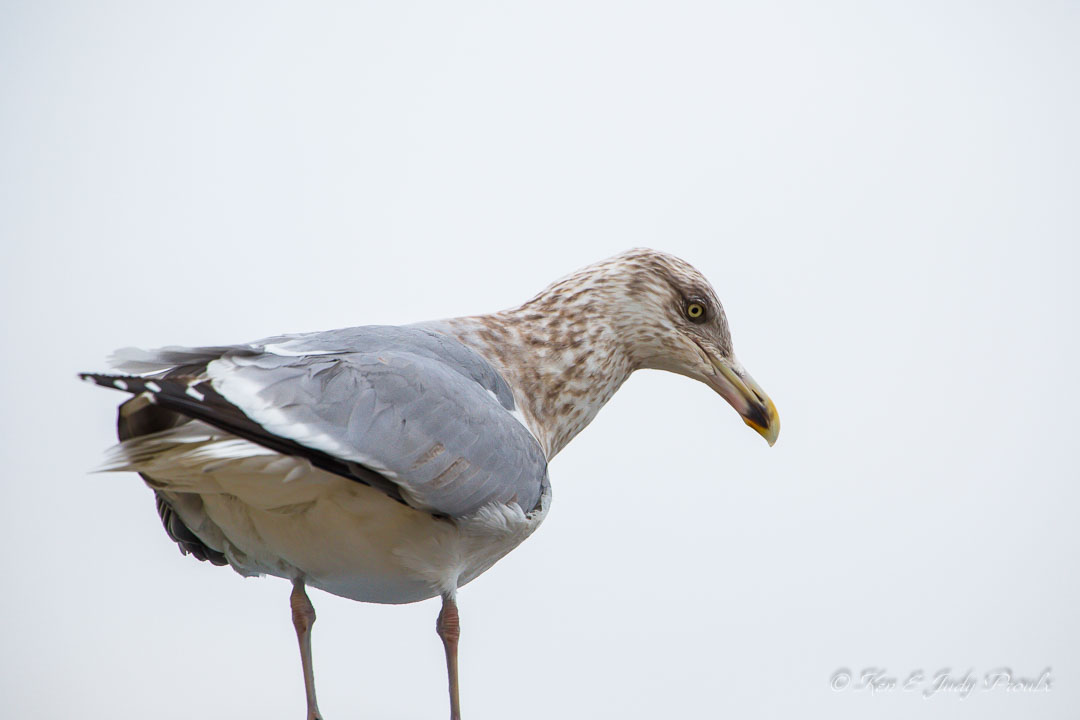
884	195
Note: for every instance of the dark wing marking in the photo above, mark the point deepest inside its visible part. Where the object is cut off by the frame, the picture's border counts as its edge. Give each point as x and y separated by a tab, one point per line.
409	411
138	416
181	394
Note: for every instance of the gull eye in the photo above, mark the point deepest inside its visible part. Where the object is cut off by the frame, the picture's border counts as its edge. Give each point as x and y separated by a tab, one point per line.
695	311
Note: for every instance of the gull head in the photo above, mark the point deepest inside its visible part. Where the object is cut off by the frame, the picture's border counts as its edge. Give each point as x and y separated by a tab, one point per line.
666	316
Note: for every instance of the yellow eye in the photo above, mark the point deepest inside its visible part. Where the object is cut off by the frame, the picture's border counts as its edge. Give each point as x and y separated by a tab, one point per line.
695	311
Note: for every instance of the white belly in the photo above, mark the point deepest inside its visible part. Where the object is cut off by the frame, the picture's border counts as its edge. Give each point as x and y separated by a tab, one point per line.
277	515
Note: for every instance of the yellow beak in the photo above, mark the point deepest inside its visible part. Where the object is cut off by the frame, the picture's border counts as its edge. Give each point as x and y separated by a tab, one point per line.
737	387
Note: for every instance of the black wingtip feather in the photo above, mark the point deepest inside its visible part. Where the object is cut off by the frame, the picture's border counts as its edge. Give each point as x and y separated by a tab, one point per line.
196	398
127	383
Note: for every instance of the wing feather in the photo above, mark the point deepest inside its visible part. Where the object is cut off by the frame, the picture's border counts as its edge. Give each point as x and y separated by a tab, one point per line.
410	411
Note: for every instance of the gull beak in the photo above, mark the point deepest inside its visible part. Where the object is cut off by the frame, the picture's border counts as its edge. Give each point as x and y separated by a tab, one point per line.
736	386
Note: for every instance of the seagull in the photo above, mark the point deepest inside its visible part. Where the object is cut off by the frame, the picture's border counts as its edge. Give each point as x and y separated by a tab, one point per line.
392	464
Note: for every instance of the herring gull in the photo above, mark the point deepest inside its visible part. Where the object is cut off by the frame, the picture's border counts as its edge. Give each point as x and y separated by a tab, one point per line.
393	464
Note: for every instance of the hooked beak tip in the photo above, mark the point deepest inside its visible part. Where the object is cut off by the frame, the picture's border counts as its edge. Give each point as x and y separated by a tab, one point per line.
749	400
764	419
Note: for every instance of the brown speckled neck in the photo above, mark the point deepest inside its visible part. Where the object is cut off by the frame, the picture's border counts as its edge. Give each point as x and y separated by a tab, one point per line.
566	351
563	367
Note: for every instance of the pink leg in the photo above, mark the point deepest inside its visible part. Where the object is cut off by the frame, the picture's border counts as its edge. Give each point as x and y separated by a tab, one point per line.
449	629
303	616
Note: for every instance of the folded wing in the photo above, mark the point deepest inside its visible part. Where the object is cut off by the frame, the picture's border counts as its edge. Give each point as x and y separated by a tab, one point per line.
411	412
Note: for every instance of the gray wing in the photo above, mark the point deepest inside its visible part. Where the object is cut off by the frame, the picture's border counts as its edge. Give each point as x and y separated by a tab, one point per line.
426	416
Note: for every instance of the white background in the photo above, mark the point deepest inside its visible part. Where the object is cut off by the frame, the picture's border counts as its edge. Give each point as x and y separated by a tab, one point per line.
884	195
